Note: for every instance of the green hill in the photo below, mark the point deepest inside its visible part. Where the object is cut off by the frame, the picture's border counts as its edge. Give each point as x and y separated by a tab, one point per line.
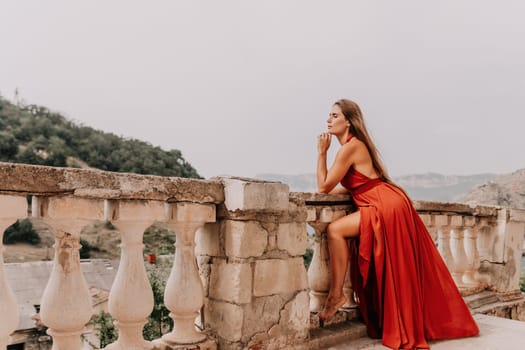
35	135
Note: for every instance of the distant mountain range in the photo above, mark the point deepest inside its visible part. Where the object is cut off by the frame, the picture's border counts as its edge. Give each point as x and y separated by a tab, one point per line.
439	187
490	189
506	190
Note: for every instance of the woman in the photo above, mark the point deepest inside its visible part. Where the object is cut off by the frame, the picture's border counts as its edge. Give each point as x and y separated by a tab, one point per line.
405	292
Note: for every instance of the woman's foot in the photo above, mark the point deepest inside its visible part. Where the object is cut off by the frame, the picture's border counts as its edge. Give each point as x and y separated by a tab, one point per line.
330	308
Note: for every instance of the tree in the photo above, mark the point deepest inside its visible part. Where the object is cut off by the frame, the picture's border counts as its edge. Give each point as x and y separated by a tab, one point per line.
8	146
35	135
21	231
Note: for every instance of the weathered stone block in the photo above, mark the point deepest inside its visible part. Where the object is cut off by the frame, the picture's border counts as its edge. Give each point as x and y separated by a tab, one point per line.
231	282
245	195
295	317
330	214
139	210
441	220
12	207
71	208
469	221
190	212
208	344
244	239
207	240
292	237
311	214
278	276
456	221
261	314
204	264
224	318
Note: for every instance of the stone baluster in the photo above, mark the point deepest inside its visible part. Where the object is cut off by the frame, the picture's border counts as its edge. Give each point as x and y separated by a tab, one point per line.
457	246
442	223
472	253
184	294
11	208
131	297
347	288
485	239
319	270
66	303
485	242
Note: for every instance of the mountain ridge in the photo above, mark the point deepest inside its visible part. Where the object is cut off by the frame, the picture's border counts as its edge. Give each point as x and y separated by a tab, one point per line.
425	186
506	190
34	134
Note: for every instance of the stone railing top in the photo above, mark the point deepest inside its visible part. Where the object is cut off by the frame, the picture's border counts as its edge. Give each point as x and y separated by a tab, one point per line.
91	183
456	208
323	198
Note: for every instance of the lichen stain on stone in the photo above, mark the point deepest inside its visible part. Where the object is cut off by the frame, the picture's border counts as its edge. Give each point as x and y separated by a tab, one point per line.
68	253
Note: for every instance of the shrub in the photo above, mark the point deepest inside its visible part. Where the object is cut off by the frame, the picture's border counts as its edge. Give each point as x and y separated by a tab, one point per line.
21	231
158	323
105	328
8	146
308	255
86	248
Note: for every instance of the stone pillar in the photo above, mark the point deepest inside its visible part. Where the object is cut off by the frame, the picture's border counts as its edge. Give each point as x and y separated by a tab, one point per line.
348	290
66	302
319	270
443	239
11	209
257	290
505	276
472	253
131	297
184	294
457	246
485	237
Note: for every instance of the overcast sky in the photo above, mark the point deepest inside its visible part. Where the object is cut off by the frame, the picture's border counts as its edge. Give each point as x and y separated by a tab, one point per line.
243	87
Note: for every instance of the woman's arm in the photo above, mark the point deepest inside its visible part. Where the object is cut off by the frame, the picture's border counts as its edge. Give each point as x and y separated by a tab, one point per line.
328	179
339	190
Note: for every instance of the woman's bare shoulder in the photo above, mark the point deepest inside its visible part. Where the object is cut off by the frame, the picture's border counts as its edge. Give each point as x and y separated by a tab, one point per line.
354	145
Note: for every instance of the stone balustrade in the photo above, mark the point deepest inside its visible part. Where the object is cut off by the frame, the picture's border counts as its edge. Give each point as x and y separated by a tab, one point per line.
238	270
11	208
253	267
322	209
480	244
70	199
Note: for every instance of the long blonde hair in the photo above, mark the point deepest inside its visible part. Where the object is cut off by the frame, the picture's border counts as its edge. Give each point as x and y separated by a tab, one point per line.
353	114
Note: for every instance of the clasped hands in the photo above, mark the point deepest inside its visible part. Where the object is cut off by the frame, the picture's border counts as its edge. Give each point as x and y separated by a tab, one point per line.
323	142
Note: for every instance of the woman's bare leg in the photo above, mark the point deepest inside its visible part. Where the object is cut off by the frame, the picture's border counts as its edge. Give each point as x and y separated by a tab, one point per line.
337	232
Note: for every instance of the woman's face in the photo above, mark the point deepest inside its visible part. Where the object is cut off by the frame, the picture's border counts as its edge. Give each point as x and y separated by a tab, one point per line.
337	123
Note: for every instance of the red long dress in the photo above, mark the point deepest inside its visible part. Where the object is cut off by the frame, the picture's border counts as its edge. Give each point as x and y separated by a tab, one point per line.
406	293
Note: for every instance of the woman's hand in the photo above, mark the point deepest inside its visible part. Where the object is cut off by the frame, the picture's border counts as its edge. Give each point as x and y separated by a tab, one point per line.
323	142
